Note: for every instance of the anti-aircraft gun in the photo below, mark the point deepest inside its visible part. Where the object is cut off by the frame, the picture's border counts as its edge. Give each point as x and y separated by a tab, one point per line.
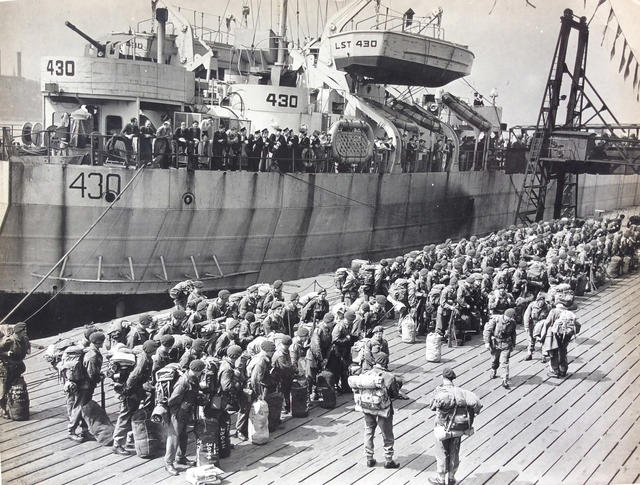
101	48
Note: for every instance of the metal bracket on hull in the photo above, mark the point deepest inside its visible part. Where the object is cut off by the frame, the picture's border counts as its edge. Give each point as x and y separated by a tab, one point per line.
205	277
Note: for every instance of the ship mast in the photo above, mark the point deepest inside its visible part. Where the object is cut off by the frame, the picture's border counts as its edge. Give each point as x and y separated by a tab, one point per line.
282	32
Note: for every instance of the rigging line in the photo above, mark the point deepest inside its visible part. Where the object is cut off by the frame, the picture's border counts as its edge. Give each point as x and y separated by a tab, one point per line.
306	16
298	21
75	245
328	190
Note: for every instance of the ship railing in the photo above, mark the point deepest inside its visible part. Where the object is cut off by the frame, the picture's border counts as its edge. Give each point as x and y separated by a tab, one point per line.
141	27
423	26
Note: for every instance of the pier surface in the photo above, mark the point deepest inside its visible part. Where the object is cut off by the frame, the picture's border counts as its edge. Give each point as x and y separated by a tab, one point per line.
584	429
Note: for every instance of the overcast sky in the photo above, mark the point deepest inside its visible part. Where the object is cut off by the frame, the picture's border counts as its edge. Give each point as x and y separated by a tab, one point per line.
513	45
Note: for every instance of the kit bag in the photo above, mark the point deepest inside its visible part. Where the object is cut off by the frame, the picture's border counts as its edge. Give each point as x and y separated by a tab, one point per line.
98	422
207	431
259	422
18	401
299	398
274	401
148	436
325	387
433	349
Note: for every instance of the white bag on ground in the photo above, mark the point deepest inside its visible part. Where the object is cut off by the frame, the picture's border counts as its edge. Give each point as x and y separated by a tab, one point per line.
259	422
408	329
434	347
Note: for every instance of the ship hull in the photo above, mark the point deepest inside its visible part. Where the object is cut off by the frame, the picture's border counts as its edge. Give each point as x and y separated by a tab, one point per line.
239	227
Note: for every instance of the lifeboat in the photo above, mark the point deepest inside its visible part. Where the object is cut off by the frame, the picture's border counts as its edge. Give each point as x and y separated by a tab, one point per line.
404	58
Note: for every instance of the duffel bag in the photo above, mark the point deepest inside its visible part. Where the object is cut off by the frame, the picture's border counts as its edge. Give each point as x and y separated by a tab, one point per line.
98	422
259	422
148	435
18	401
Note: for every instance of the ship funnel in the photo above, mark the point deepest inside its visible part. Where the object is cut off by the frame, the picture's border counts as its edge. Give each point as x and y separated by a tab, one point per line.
282	45
162	15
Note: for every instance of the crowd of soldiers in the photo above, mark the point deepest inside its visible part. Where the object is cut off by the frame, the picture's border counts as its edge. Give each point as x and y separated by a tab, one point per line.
236	349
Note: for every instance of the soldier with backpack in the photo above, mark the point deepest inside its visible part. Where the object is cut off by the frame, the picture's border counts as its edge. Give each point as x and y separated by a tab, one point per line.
373	392
181	404
559	328
500	339
139	334
455	412
536	311
81	373
14	347
133	393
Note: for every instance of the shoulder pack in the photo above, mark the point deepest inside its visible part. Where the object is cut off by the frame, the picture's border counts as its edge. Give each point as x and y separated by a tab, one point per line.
71	366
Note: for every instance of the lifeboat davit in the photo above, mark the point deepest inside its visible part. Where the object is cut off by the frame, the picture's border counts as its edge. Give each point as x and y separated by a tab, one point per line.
400	57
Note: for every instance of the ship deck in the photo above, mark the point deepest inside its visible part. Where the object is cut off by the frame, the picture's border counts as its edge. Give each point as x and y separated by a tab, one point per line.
585	429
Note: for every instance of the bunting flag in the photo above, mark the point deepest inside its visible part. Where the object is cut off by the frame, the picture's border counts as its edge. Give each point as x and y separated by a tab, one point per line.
627	70
604	32
613	47
623	59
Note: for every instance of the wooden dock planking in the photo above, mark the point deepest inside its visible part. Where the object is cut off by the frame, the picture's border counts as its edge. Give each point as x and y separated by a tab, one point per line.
513	443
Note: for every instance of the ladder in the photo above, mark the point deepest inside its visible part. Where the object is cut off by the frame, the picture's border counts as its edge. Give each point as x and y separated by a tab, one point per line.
531	201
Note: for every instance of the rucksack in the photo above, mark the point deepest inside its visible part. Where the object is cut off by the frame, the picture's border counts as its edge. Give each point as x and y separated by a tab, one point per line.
536	270
53	353
566	324
368	273
166	379
434	294
340	277
502	328
121	365
370	394
71	366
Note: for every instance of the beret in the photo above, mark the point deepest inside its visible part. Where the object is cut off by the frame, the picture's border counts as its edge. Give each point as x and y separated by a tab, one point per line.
268	346
223	293
202	305
197	365
302	332
249	317
145	319
150	346
97	337
167	340
198	344
234	351
179	314
328	318
448	373
510	313
277	284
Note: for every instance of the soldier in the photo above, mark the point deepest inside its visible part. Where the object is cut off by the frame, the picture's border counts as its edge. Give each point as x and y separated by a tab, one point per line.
174	326
447	440
249	302
351	285
298	351
81	391
560	326
340	355
133	394
372	347
500	300
260	381
13	349
283	370
317	307
446	307
382	420
181	405
162	356
274	321
140	334
537	311
274	294
220	307
418	292
291	314
319	349
195	295
194	353
500	339
228	338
